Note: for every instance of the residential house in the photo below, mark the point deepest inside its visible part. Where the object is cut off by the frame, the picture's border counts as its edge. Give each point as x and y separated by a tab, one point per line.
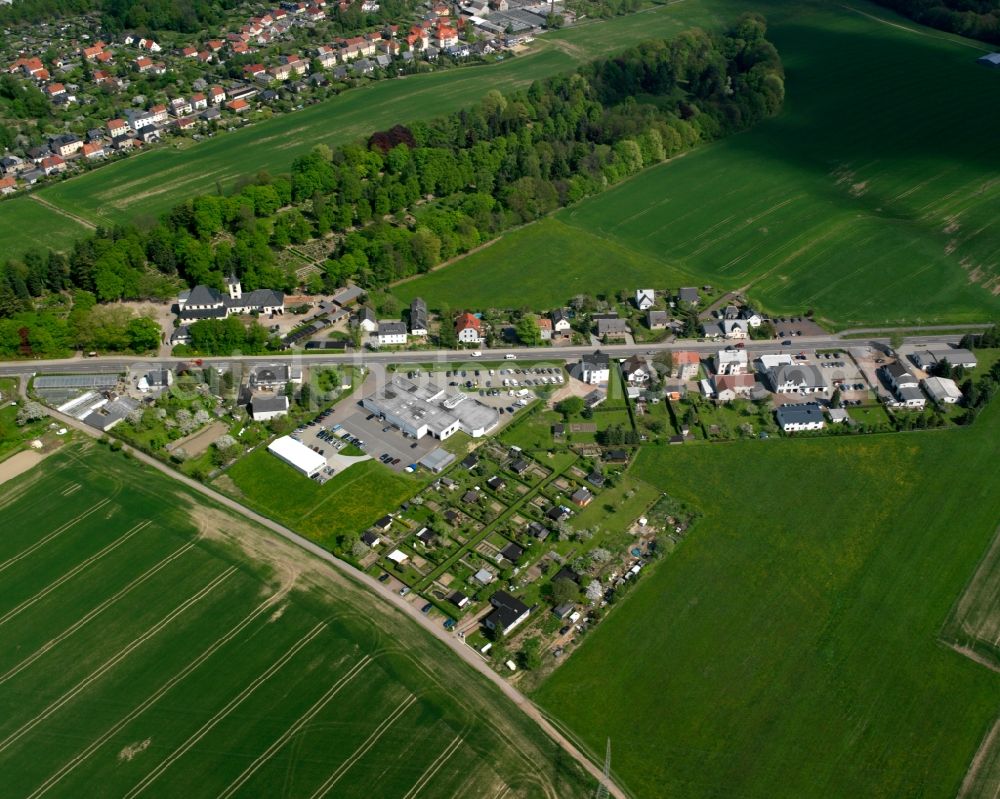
468	329
216	95
199	102
53	164
139	119
117	128
731	362
594	368
657	320
794	418
582	497
545	328
645	299
273	376
268	406
418	317
508	612
610	325
689	296
899	376
93	150
159	113
238	106
180	107
391	333
366	319
65	145
730	387
8	185
797	379
560	321
685	364
636	370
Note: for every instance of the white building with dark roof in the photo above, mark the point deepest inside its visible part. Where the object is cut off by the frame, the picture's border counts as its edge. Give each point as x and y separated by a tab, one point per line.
391	333
204	302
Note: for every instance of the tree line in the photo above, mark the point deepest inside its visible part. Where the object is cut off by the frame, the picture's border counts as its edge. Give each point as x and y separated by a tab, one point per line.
409	198
977	19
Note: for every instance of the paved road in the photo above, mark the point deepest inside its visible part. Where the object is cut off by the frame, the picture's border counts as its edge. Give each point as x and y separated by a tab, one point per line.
114	363
434	628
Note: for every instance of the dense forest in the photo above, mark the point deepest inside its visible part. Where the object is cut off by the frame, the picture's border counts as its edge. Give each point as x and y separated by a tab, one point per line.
978	19
409	198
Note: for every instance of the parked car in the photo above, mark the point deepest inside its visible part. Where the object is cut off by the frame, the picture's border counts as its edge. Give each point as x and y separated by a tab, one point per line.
427	608
383	577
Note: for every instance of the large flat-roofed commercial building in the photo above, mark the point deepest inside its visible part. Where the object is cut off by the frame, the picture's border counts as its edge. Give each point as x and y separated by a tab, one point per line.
297	455
426	410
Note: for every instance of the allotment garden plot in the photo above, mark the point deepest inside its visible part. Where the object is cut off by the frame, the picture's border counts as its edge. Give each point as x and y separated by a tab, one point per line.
153	645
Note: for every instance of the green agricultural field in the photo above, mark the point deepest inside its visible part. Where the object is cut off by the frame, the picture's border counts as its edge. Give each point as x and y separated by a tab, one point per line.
347	503
156	645
870	198
27	223
577	262
792	646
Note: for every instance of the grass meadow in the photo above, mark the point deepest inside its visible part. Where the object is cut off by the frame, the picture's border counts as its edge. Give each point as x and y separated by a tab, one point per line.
151	644
870	198
792	646
347	503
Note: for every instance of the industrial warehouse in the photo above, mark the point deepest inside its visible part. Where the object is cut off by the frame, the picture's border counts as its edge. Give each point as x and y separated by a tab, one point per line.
422	410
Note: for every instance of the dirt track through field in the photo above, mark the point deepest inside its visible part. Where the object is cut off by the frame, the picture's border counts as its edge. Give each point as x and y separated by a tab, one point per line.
19	463
63	212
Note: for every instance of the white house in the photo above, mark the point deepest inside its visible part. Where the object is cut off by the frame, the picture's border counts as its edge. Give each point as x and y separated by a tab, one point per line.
899	376
644	299
366	320
267	406
468	329
560	321
594	368
636	370
391	333
792	379
731	362
793	418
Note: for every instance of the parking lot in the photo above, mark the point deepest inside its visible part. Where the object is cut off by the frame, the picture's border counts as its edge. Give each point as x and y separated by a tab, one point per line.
382	439
794	326
492	384
841	372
